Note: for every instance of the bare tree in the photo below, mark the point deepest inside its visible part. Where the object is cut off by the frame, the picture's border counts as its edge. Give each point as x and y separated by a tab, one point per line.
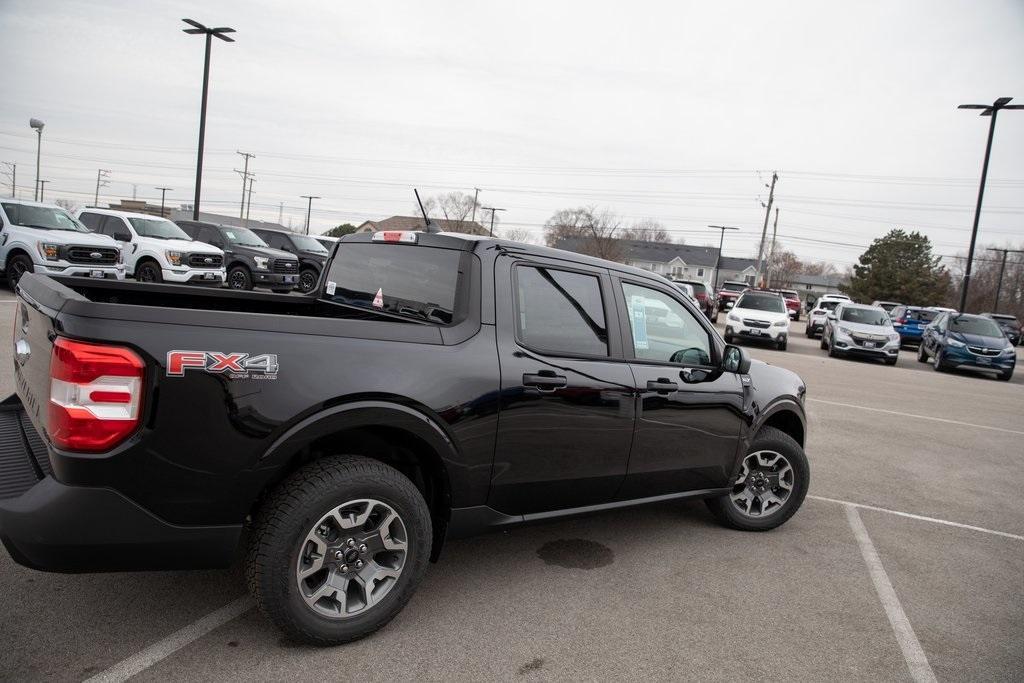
783	266
518	235
457	209
68	205
647	230
597	232
819	268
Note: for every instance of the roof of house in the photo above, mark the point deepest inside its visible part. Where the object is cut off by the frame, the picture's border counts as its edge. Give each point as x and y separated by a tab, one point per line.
416	223
737	263
640	251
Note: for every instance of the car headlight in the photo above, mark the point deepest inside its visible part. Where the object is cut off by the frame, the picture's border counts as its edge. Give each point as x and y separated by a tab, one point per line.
734	318
956	343
844	330
1010	351
49	251
261	262
174	257
780	323
894	337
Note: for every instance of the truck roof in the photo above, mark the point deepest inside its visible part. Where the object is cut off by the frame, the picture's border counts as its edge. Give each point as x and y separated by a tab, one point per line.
117	212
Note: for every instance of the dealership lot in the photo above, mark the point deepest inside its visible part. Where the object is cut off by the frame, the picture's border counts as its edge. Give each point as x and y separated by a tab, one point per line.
660	592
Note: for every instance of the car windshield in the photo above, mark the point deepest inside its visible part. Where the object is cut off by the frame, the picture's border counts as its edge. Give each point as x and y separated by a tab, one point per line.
983	327
307	243
42	217
243	237
734	286
866	316
160	228
761	302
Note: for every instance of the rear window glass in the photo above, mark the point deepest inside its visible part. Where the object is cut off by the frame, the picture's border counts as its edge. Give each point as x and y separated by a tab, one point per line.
922	315
828	305
413	281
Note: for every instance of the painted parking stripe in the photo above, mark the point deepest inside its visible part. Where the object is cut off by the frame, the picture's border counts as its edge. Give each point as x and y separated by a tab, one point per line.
162	649
922	518
919	417
913	653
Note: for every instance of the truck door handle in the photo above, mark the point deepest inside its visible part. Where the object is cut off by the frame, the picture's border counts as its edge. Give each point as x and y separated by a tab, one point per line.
662	385
545	380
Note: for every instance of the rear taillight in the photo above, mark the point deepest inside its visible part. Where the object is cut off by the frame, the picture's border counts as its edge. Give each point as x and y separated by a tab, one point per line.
901	321
95	395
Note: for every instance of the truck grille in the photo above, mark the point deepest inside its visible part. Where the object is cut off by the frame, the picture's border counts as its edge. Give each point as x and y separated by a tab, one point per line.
761	324
286	266
205	260
23	457
98	256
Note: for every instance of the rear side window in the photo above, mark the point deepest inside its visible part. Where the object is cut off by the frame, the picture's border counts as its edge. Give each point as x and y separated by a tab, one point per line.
424	283
560	312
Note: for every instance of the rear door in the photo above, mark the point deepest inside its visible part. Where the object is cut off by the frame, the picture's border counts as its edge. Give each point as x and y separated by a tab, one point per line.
566	409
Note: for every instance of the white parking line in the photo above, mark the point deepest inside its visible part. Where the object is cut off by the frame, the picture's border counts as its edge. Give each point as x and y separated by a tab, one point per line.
162	649
914	655
922	518
919	417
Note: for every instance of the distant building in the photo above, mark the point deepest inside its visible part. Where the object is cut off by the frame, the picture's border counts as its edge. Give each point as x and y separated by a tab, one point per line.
185	214
416	223
813	286
140	206
680	261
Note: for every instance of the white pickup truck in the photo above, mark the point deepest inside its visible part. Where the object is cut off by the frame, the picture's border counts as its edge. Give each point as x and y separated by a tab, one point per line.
46	239
157	250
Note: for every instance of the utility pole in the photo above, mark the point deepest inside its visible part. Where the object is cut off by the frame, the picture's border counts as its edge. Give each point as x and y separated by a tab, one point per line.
1002	269
771	254
280	214
249	203
309	208
492	210
718	261
986	110
764	230
42	188
13	175
476	193
163	193
245	176
101	181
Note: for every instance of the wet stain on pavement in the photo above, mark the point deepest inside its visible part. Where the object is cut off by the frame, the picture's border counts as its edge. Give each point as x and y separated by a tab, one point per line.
533	665
576	553
232	643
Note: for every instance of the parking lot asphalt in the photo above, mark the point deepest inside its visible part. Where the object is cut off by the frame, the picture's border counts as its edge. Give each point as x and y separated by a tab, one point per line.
660	592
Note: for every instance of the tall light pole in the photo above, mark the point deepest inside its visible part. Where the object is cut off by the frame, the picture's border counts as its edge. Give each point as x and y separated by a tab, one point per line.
987	110
1002	269
38	125
198	29
309	208
492	210
42	187
718	261
163	193
476	195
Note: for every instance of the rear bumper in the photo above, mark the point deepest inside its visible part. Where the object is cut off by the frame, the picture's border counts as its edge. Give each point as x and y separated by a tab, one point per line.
50	526
910	336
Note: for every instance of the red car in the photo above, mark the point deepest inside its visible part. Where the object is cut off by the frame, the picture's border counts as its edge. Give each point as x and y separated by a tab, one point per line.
792	302
729	292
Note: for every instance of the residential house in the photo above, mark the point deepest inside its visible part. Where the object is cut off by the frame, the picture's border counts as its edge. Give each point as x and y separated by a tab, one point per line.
416	223
811	287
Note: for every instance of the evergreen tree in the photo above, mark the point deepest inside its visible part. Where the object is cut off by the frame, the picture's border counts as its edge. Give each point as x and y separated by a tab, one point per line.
900	267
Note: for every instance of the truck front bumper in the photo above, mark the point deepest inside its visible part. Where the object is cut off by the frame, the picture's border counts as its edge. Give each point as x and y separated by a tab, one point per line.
73	270
275	280
194	276
50	526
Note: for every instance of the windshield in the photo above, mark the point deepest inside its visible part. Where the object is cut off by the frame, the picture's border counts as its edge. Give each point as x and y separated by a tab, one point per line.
983	327
734	286
307	243
42	217
243	237
866	316
160	228
761	302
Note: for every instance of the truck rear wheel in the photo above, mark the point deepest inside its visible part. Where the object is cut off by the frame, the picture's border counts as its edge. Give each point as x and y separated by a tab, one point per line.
338	549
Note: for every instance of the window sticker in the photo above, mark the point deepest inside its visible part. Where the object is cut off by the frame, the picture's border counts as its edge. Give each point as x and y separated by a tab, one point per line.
378	301
638	312
230	234
331	287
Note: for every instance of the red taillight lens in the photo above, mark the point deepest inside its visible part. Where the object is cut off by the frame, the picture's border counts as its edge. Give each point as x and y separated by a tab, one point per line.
95	395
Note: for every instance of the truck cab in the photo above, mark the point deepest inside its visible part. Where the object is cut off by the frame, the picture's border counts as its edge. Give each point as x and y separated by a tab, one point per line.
157	250
44	238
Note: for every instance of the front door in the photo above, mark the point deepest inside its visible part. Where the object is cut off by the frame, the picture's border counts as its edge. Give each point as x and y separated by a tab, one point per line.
690	413
566	412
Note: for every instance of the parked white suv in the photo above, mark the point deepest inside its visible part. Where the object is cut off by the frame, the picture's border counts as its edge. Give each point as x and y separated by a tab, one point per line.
46	239
759	315
157	250
819	314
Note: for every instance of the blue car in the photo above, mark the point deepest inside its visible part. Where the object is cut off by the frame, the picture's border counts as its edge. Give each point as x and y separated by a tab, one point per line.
910	321
957	340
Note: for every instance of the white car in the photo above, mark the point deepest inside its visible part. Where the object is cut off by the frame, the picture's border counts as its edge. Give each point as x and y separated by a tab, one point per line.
859	330
759	315
157	250
819	314
46	239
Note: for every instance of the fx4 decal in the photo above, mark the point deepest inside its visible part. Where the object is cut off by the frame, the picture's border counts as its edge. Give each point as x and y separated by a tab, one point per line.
234	365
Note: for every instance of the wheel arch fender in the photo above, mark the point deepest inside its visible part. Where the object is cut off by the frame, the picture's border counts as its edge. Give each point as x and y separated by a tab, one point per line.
785	414
16	249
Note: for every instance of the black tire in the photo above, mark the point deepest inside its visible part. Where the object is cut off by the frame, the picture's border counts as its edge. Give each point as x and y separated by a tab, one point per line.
808	332
308	280
728	339
822	344
239	277
149	271
1005	375
937	364
796	318
922	355
294	508
17	266
768	438
781	346
832	352
891	361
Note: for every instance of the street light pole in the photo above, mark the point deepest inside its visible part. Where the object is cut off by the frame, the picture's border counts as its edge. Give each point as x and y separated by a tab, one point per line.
38	125
42	188
209	33
163	193
718	261
492	210
309	208
987	110
1002	269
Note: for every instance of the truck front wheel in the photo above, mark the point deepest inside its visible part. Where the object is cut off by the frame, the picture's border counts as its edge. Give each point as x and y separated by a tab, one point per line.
338	549
239	278
16	267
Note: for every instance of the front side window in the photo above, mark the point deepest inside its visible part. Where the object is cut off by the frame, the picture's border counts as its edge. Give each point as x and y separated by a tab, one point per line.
663	329
865	316
42	217
560	312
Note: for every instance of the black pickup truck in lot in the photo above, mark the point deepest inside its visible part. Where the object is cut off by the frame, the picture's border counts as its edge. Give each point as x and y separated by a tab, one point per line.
434	386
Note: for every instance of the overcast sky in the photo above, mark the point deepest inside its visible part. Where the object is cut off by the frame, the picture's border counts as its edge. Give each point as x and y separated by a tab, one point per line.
678	111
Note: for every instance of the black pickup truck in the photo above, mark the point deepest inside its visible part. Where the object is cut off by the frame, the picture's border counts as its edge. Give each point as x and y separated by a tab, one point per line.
434	386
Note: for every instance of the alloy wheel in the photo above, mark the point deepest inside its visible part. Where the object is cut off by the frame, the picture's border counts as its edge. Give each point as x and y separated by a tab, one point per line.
351	558
764	485
237	280
307	281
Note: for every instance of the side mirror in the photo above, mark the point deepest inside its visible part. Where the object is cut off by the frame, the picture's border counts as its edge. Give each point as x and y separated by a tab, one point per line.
123	236
735	359
831	316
